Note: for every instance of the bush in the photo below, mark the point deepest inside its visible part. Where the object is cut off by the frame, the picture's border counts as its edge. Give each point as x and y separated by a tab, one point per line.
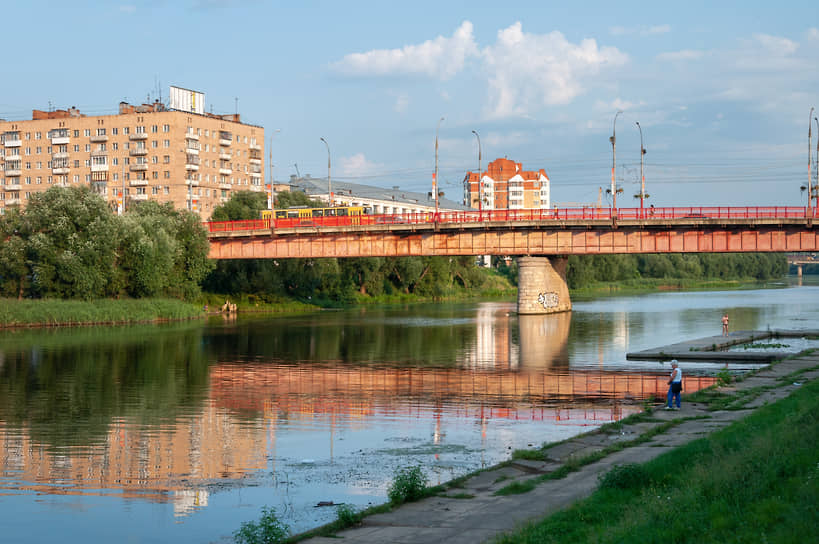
268	530
629	476
408	485
348	516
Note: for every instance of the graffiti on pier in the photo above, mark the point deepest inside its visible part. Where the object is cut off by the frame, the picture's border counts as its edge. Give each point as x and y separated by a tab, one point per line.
548	300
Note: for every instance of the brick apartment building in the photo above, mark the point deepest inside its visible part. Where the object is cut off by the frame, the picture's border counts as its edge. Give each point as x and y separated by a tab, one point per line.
504	185
147	152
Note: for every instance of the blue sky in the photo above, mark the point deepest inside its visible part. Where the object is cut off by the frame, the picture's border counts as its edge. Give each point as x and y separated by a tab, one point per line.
722	90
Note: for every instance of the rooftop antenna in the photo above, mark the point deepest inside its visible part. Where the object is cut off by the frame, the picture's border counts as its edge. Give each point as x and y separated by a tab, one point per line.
237	105
297	170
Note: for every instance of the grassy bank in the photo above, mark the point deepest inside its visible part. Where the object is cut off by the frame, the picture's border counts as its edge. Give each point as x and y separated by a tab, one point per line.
48	313
649	285
755	481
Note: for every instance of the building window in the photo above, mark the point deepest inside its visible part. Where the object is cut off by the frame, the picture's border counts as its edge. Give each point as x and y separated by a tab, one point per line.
114	131
115	146
125	130
116	176
87	132
154	159
167	190
76	164
38	135
87	148
166	143
167	174
28	135
115	161
76	133
38	150
166	159
154	128
154	144
166	128
156	175
76	178
76	147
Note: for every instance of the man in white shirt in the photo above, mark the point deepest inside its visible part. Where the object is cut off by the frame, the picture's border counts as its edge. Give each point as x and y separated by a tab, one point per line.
674	385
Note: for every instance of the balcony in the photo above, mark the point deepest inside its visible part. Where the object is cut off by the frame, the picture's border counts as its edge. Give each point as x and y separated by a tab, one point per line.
15	157
60	155
225	186
143	196
12	201
192	182
138	152
192	136
17	142
138	167
99	153
138	136
99	167
194	167
255	147
225	138
255	161
225	156
192	150
13	173
138	182
99	138
225	171
60	170
11	187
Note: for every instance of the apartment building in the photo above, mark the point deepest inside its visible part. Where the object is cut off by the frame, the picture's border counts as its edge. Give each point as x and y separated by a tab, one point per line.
505	185
144	152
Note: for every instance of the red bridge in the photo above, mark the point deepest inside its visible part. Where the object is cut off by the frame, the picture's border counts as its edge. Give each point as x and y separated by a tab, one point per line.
550	234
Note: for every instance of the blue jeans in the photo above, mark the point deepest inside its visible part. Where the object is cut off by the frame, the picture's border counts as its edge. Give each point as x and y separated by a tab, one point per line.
672	394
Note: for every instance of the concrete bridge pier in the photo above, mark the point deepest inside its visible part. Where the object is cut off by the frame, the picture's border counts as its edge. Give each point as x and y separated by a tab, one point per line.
542	287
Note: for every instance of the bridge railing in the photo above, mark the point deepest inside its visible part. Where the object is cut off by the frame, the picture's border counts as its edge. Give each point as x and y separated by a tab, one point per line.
550	215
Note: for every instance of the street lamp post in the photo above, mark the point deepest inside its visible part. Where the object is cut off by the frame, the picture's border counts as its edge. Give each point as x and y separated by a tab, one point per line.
642	177
435	177
329	183
810	126
480	181
271	196
613	141
816	189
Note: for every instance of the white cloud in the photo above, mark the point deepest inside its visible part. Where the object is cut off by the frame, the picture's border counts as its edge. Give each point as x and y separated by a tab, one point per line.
527	71
776	45
682	55
401	103
813	34
128	9
616	105
358	166
640	30
440	58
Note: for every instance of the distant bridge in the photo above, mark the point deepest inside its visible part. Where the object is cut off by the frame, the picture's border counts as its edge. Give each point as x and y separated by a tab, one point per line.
539	237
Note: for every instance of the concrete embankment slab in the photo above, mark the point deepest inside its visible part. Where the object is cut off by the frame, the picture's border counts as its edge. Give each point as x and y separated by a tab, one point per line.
712	348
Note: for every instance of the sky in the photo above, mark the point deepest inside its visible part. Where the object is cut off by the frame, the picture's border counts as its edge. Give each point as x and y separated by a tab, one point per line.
722	91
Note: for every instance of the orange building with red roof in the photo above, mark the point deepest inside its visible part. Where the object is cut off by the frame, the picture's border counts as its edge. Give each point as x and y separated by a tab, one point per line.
505	185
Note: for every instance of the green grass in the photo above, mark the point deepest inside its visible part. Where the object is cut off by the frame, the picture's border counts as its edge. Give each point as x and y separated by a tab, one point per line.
48	313
754	481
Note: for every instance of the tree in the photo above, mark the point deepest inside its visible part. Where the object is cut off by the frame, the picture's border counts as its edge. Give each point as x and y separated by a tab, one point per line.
242	205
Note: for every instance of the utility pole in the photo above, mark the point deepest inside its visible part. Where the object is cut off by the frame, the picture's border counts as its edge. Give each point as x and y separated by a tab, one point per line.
329	184
480	181
271	196
613	141
816	189
435	176
642	177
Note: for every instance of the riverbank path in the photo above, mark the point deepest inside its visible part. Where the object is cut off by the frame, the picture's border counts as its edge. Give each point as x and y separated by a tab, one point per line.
485	516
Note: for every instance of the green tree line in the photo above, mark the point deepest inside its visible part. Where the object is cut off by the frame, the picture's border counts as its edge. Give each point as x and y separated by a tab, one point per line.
68	244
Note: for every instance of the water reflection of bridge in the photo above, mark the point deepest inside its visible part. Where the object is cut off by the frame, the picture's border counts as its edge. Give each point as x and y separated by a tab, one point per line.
360	391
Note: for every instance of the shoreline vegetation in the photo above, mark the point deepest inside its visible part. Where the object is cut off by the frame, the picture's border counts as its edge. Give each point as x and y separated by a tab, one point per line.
34	313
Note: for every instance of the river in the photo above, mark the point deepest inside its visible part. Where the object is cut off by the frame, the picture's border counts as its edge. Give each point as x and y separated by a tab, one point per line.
181	432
